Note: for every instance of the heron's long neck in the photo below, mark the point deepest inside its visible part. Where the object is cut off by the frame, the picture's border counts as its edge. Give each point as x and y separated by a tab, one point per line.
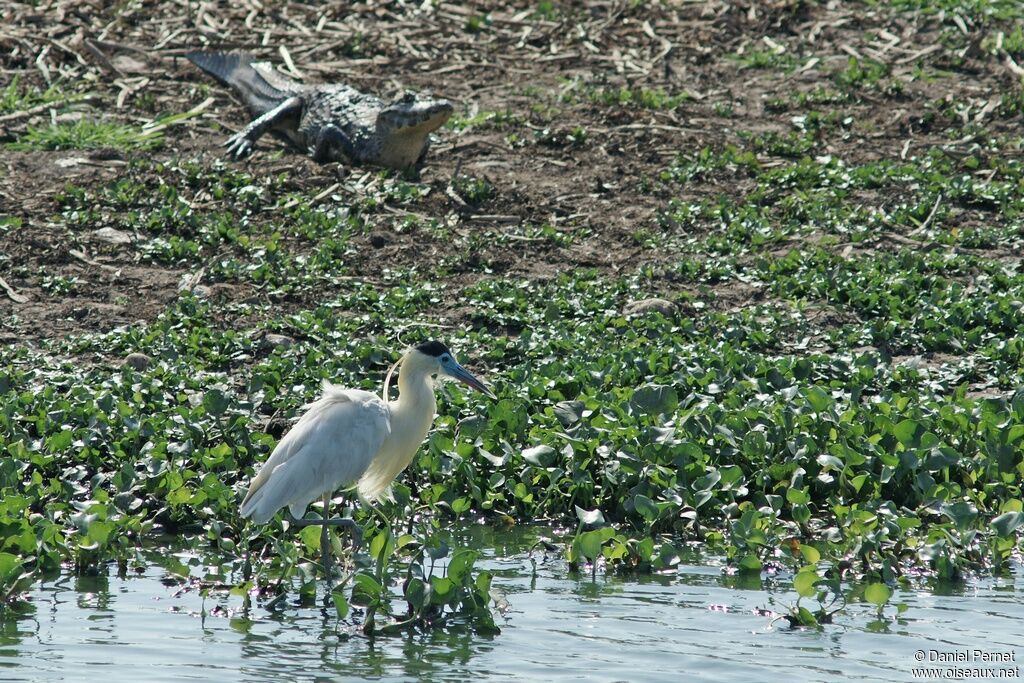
410	417
413	411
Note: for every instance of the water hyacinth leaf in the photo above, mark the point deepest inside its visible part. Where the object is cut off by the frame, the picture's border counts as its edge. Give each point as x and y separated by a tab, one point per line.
483	582
1006	523
416	593
810	554
497	461
99	532
589	544
654	399
442	590
1015	433
175	566
905	431
341	605
708	481
540	456
569	412
365	589
461	564
941	457
805	580
646	508
215	402
702	497
382	545
801	513
830	461
751	563
645	548
10	568
404	540
60	441
819	399
807	617
472	427
962	513
310	536
510	414
436	552
667	558
877	594
797	496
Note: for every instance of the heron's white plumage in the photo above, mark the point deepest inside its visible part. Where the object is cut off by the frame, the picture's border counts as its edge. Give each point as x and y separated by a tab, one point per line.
350	436
410	418
330	446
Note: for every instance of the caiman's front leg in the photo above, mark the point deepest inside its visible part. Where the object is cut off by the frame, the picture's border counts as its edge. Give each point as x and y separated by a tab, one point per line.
241	143
329	139
414	171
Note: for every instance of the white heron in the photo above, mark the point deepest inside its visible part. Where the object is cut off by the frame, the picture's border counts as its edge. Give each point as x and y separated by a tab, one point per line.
349	436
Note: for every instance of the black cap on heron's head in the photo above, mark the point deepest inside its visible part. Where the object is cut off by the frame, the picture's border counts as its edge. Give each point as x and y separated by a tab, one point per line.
445	365
433	348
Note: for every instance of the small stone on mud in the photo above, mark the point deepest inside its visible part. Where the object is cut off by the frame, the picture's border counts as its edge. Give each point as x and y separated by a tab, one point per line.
137	361
278	341
112	236
654	305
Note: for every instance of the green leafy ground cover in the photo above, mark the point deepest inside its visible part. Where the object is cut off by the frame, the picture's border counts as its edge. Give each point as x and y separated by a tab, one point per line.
836	395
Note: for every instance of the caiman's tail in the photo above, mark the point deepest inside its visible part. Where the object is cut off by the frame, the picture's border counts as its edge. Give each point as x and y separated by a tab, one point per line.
246	76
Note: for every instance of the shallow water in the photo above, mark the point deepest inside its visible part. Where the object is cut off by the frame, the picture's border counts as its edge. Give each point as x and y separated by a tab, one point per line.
696	625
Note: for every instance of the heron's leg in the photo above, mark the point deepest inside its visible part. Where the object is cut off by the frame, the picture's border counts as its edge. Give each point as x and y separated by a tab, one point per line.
325	540
324	522
334	521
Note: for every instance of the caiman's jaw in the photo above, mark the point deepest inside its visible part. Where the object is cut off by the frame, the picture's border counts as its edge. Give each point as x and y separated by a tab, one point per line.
403	127
413	115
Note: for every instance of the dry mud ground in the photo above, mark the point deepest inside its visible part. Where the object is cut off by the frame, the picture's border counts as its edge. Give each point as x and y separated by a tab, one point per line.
569	111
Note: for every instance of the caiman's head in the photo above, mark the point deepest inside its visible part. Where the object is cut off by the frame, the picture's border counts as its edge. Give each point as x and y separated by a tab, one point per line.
403	127
412	113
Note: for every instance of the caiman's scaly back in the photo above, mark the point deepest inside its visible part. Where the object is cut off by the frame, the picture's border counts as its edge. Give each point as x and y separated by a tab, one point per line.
330	121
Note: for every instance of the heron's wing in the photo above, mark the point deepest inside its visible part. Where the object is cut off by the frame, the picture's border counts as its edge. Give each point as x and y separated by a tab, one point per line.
331	445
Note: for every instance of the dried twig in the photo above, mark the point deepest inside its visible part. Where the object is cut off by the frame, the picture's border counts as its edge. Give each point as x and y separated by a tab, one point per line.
11	293
931	215
39	108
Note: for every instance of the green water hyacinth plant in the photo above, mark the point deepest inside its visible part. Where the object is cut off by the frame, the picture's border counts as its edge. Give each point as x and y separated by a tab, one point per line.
435	597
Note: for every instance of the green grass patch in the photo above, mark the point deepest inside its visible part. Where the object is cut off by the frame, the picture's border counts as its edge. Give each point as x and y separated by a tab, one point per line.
86	134
15	98
638	97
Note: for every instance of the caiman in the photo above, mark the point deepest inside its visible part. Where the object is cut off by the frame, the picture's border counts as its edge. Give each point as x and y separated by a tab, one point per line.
330	121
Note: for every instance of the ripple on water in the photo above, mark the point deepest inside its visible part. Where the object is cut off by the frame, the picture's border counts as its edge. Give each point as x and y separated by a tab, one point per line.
694	625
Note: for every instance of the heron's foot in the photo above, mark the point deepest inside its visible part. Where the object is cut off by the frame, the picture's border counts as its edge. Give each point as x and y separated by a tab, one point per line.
325	541
347	522
353	528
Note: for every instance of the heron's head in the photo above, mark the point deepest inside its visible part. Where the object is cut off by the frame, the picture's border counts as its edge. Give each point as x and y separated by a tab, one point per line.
438	360
412	113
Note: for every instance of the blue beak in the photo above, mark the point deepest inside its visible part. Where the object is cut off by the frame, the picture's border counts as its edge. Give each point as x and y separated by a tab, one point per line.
456	371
